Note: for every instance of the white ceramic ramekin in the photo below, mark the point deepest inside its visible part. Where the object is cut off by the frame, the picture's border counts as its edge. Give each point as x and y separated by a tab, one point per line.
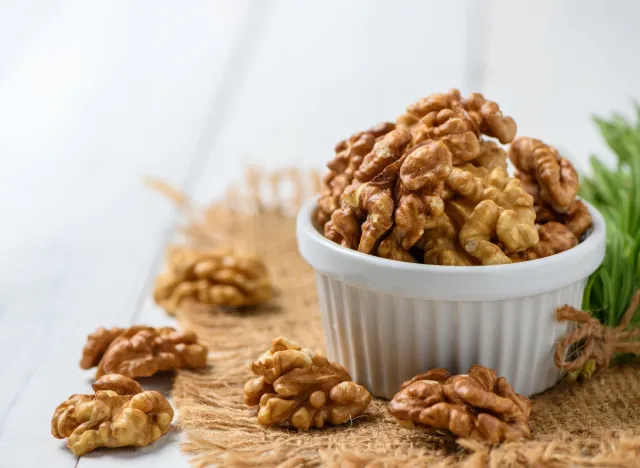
387	321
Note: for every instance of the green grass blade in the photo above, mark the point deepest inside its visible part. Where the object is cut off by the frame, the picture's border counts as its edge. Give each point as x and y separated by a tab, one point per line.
616	193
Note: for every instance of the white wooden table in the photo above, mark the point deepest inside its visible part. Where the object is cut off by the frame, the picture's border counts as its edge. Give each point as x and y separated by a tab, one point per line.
81	237
96	95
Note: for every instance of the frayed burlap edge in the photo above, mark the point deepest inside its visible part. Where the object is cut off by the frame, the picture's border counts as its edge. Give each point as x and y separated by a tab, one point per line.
592	424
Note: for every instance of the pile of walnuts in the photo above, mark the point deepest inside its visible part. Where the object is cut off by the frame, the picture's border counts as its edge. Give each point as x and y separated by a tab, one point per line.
433	188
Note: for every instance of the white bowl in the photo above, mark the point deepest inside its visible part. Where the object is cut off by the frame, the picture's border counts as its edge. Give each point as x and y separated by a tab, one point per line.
386	320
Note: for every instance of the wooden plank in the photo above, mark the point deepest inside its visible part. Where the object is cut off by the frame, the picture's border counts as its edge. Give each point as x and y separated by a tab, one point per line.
164	453
107	94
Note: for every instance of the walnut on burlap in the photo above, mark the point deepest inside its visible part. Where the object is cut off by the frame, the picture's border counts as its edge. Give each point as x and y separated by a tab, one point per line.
593	424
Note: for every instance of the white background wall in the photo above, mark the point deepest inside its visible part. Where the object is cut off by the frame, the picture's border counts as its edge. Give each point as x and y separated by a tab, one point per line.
96	94
279	82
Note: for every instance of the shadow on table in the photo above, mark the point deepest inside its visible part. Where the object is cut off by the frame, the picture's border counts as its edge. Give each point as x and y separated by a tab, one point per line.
165	443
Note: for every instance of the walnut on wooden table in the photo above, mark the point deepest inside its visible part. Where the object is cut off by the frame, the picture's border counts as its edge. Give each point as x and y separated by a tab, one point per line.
118	414
303	388
217	277
478	405
141	351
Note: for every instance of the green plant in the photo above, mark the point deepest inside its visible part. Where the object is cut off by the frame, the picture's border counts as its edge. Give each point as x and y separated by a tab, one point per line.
616	193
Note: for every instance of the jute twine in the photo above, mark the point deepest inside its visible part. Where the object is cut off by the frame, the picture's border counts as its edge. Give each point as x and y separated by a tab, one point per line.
593	340
596	423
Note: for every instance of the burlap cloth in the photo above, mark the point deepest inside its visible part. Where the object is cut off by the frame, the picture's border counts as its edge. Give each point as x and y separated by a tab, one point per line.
595	423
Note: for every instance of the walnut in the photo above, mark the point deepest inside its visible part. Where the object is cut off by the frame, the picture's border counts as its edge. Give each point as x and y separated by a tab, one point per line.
489	118
141	351
578	218
466	184
554	238
553	183
410	220
331	233
440	244
491	156
302	388
442	117
118	414
219	277
532	157
390	248
385	152
426	165
529	184
119	383
418	191
515	227
446	251
97	343
377	202
459	210
370	203
415	213
348	158
461	140
478	405
475	235
439	374
545	213
556	177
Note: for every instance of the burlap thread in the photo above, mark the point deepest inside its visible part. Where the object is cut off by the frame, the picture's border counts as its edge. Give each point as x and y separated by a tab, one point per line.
594	340
596	423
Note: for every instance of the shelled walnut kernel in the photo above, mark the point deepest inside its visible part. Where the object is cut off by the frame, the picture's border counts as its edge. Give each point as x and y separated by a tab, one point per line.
478	405
118	414
302	388
218	277
553	182
141	351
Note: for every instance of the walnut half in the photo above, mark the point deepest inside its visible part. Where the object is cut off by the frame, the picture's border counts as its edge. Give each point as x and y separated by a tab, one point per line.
303	388
478	405
118	414
216	277
141	351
